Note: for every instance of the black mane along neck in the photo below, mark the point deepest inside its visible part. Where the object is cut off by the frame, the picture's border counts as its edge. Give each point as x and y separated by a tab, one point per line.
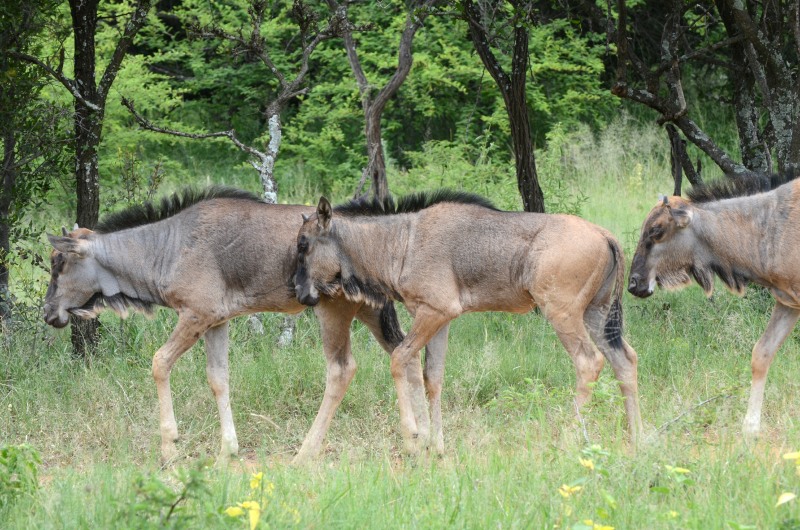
729	188
414	202
148	212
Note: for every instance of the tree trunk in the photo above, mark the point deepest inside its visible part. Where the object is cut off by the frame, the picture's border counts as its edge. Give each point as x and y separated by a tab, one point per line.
755	154
376	163
512	87
88	124
6	194
517	107
373	102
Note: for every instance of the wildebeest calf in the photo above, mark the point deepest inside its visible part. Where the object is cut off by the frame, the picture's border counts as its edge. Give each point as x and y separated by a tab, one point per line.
210	256
447	253
740	232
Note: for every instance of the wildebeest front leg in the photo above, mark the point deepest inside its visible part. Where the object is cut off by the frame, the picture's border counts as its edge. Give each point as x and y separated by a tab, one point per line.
371	317
427	322
780	325
216	340
435	353
185	334
335	317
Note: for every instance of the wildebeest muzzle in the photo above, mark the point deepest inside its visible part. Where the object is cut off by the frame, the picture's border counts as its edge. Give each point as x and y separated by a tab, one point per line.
304	288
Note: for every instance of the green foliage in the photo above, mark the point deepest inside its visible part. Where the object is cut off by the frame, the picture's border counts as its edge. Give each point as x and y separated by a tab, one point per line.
566	78
161	504
19	472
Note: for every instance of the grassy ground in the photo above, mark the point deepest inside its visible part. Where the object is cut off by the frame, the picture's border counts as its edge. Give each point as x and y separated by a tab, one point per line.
516	455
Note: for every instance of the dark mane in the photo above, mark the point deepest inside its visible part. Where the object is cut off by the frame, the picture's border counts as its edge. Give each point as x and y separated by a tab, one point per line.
410	203
149	212
729	188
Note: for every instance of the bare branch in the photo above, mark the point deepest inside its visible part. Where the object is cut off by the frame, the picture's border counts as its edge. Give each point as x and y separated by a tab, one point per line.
132	27
69	84
144	123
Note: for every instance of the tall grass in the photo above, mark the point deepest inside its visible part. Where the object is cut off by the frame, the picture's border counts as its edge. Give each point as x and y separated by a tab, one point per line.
516	455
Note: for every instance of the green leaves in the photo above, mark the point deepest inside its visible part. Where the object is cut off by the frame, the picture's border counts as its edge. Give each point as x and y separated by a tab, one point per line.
19	472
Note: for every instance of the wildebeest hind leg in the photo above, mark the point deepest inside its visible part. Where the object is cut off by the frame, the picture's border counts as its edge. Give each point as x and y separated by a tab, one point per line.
587	360
216	340
780	325
624	361
335	317
185	334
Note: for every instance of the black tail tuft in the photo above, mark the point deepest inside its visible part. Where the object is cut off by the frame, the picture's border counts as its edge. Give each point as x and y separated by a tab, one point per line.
390	326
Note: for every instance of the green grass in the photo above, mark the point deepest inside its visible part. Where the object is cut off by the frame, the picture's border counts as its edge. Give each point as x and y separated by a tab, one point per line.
512	438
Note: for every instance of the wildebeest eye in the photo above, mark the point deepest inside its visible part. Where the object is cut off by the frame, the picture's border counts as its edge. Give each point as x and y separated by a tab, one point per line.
655	233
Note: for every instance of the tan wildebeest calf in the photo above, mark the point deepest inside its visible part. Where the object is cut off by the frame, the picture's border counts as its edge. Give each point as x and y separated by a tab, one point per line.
738	231
447	253
210	256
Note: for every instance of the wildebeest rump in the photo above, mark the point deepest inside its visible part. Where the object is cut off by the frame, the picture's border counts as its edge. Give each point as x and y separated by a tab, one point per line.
210	256
446	253
741	232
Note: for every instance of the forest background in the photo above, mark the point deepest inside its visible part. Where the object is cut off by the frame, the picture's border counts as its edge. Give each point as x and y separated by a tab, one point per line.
578	107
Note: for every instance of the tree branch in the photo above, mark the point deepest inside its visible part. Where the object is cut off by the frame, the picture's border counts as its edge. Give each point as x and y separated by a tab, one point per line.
132	27
147	125
57	75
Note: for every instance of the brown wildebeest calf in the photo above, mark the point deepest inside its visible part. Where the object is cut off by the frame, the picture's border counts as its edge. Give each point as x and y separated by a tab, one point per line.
448	253
740	232
210	256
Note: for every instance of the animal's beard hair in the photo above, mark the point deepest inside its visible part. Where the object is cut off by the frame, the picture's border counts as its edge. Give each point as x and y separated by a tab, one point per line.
674	279
118	303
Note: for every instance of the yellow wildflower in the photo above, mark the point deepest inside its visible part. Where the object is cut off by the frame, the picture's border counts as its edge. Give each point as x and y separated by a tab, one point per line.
596	526
587	463
672	514
566	491
785	497
253	512
681	470
269	487
255	480
792	456
234	511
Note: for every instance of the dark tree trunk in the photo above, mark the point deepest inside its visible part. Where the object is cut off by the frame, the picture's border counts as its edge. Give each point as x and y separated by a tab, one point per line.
88	125
6	194
755	154
512	87
374	102
376	162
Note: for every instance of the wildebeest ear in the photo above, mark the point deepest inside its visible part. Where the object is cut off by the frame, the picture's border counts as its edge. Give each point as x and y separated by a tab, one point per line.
682	216
70	245
64	231
324	213
305	217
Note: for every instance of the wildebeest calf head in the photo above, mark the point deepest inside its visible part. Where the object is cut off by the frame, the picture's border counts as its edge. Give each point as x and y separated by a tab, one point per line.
318	265
73	280
665	254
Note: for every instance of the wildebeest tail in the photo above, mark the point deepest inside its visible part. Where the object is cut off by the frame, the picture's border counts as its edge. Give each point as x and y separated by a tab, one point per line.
613	327
390	326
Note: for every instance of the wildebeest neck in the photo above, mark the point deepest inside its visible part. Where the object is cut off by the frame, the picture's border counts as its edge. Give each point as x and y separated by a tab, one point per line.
372	254
137	261
739	239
